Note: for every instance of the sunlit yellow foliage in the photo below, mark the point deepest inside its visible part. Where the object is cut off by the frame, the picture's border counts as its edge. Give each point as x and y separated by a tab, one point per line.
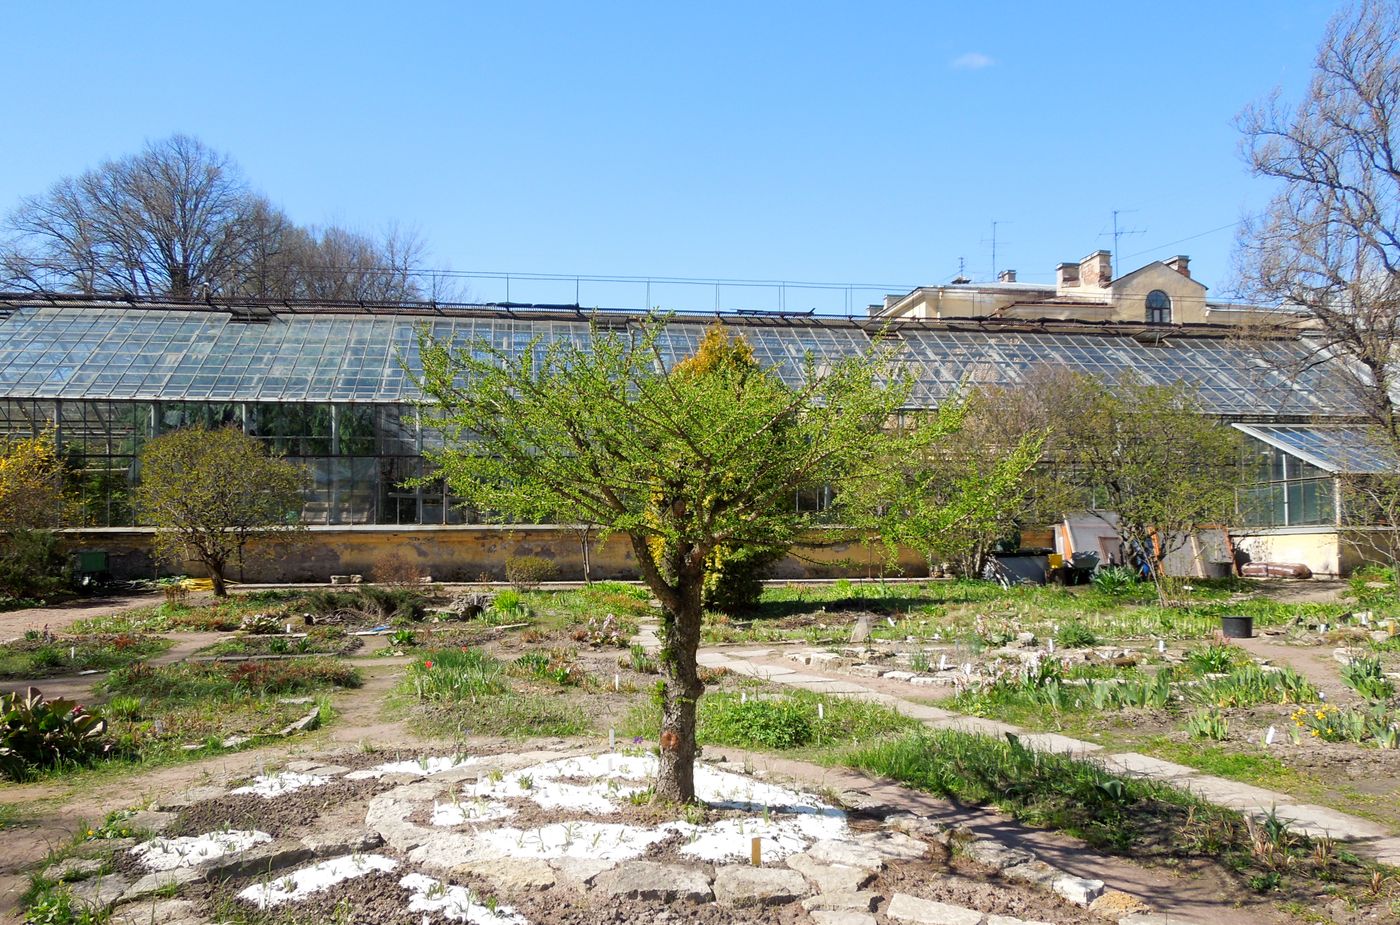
32	484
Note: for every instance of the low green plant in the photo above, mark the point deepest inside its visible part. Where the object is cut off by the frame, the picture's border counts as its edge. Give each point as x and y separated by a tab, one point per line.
402	638
127	708
54	904
1076	635
367	602
1214	659
1366	676
1208	724
640	660
37	733
1114	580
456	674
796	719
1338	724
507	607
1252	685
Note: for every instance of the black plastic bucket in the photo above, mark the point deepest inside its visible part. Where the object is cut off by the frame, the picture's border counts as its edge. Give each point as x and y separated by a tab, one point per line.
1237	627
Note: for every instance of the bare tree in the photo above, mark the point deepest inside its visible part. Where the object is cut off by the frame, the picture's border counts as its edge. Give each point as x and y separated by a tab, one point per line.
1328	244
165	222
179	221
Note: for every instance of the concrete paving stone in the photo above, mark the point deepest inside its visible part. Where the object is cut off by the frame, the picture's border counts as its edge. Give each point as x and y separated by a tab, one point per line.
713	660
894	845
1385	850
100	892
148	820
1319	821
262	859
797	679
830	878
899	675
1234	795
512	875
1034	873
73	869
1011	920
161	911
831	851
854	901
802	658
1059	745
650	880
832	686
1078	890
841	917
160	880
824	659
928	912
975	725
918	826
1148	918
579	873
738	885
1135	765
338	842
991	853
922	712
750	653
328	770
867	671
925	680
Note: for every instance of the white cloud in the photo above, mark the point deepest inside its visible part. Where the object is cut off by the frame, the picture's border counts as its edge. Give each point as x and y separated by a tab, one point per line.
972	61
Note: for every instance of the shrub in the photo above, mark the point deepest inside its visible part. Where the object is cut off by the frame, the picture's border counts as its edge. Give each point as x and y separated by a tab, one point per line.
395	570
31	564
377	605
526	573
36	733
734	579
1214	659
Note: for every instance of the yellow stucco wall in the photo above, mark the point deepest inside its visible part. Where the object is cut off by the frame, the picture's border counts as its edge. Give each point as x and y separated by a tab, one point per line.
465	553
1322	551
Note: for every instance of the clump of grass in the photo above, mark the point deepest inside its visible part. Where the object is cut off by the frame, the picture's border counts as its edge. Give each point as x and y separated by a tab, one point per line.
1252	685
1215	659
206	681
1076	635
40	655
456	675
787	721
1208	724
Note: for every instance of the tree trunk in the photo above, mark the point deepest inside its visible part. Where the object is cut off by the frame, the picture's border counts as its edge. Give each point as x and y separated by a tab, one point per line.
216	574
587	569
675	779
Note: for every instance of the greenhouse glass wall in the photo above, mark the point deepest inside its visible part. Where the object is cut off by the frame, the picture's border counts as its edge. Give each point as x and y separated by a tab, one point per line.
332	386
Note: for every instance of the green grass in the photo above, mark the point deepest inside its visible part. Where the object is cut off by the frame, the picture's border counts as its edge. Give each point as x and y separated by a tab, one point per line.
467	692
36	656
1044	789
983	614
209	616
1250	768
790	720
319	640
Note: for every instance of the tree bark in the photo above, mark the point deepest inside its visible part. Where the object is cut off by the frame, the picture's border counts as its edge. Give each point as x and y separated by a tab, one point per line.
216	574
675	779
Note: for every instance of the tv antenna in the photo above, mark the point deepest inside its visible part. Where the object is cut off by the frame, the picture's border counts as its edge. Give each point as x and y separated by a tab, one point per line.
1118	232
995	223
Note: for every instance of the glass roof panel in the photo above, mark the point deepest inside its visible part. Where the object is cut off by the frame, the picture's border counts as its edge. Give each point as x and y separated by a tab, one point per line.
1349	450
174	354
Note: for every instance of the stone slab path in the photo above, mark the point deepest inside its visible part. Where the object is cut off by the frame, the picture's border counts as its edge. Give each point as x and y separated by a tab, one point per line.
1366	837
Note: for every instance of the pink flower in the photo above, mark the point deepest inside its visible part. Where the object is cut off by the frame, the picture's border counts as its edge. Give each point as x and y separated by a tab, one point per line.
428	663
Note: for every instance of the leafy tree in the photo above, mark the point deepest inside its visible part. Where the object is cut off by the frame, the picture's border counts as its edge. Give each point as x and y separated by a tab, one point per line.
209	493
1148	455
34	499
957	500
684	461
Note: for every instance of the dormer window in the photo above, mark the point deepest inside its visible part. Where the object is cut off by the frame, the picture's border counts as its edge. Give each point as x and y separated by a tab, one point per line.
1159	307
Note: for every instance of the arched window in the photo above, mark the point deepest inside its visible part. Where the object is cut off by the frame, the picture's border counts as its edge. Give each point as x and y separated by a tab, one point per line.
1159	307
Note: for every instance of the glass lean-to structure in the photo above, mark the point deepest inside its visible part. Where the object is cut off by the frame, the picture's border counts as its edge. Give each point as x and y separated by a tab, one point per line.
333	386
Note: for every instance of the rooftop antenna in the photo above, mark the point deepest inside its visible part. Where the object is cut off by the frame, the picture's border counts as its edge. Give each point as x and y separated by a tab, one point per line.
1121	232
995	223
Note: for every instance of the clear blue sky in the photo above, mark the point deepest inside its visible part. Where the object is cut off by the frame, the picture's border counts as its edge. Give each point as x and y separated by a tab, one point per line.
809	141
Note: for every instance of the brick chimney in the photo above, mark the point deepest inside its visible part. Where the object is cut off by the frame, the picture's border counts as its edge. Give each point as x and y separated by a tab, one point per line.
1096	270
1006	276
1066	275
1181	264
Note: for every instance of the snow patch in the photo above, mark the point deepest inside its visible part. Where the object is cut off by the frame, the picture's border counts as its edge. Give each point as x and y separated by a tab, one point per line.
268	786
552	785
191	851
450	814
302	883
456	903
598	841
425	766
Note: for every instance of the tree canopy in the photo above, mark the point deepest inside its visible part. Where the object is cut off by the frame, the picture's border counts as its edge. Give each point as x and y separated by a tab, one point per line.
210	493
683	461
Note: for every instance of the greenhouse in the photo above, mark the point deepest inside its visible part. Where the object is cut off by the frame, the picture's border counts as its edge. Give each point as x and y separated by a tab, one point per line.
332	386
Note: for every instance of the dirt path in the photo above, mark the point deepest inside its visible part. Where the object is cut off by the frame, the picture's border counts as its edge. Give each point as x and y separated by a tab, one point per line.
1312	662
58	617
